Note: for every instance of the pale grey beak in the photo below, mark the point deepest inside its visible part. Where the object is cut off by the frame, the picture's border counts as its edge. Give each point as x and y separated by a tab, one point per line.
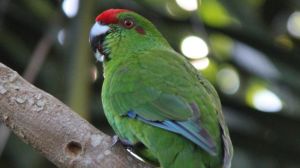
97	35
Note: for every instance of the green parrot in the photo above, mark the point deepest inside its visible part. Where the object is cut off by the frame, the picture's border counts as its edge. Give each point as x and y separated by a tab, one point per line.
155	100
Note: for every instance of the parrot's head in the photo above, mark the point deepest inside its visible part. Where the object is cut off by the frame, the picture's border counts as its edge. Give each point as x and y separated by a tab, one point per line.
122	31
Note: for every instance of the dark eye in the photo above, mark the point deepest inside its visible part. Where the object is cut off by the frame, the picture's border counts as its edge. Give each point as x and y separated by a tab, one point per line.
128	23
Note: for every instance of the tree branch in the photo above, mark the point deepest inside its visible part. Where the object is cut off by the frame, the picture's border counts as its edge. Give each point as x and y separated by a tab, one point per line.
53	129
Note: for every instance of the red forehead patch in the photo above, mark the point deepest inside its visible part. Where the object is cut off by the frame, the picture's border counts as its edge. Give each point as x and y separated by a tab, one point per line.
110	16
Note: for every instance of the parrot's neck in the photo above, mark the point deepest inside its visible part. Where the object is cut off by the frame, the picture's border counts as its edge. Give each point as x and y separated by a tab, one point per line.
121	58
130	51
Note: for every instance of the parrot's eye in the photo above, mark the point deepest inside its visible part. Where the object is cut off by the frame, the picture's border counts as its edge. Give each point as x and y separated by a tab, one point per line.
128	23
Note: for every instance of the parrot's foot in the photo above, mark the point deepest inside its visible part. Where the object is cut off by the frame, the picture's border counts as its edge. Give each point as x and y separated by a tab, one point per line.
124	142
115	140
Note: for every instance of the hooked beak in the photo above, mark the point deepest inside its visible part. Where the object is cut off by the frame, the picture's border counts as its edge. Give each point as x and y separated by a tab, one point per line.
97	35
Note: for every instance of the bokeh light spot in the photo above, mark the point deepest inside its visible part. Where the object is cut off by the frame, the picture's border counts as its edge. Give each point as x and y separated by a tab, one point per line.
248	57
170	9
94	73
189	5
266	101
61	36
228	80
293	24
70	7
200	64
194	47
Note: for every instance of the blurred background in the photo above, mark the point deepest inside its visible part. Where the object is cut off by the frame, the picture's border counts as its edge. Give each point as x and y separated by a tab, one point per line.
248	49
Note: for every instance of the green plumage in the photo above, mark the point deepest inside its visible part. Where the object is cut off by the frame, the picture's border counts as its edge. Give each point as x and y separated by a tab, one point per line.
145	75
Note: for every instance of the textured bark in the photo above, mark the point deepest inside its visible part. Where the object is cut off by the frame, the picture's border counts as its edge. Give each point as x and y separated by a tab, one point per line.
53	129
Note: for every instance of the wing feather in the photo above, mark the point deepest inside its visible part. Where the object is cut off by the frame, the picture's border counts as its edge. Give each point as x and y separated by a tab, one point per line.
165	98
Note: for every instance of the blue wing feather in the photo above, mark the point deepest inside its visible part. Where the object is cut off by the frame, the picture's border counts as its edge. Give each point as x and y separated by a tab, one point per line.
188	129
